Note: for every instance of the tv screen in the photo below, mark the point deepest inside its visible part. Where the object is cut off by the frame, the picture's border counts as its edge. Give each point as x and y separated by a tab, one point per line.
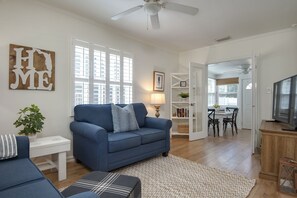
293	120
285	101
282	90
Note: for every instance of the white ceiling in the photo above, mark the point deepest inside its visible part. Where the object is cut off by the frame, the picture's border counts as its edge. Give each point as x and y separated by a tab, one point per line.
229	67
180	32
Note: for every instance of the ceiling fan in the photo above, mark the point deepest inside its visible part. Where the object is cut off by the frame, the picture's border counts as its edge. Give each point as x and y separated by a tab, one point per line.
243	69
152	8
246	68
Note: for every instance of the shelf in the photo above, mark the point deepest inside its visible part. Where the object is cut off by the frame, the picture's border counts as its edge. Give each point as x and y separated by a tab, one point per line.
177	133
181	118
180	87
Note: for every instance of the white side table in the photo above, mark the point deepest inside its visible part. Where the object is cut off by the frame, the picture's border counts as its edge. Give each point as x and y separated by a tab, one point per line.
53	145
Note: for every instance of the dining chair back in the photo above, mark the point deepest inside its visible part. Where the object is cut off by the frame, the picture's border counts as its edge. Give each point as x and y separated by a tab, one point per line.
213	121
232	121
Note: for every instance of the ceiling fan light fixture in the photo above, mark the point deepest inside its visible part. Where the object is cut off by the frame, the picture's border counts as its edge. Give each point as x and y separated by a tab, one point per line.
245	71
245	68
152	8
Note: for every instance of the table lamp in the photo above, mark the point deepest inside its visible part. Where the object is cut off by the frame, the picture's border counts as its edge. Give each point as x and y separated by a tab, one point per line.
157	99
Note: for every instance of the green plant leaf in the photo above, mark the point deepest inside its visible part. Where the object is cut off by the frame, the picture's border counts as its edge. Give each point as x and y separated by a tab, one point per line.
31	119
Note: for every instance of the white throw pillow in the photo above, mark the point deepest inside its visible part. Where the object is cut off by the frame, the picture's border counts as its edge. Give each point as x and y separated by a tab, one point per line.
123	118
8	146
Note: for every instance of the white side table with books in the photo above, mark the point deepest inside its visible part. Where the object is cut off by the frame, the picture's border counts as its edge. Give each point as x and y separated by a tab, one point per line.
56	146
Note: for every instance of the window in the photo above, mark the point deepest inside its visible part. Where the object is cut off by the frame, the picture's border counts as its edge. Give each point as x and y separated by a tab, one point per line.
211	91
101	75
227	94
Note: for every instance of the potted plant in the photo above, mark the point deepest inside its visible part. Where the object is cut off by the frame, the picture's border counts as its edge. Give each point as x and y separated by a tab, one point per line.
32	121
216	106
184	96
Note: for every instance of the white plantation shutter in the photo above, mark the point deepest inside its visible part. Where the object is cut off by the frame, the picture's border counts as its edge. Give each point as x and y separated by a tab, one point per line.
128	62
101	75
99	93
114	67
115	93
127	94
99	65
81	74
127	78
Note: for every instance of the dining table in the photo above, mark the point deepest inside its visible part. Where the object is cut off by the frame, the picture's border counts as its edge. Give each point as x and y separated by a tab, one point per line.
221	114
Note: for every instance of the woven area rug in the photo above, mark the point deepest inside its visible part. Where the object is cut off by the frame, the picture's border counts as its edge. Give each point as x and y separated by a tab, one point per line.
176	177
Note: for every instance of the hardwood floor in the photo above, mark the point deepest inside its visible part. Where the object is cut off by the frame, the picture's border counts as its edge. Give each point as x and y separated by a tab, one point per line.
231	153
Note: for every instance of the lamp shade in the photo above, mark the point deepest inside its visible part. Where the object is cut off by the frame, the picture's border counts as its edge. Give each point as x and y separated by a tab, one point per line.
158	98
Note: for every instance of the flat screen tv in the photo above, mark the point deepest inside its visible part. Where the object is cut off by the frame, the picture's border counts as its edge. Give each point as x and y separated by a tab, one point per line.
285	102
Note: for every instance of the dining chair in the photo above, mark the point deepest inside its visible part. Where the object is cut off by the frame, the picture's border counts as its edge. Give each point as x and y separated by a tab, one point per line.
232	120
213	121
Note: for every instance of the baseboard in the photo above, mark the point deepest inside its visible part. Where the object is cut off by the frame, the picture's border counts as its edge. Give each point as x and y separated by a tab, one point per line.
70	158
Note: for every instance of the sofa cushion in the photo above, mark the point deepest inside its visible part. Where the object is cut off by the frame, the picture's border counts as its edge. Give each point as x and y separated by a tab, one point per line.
122	141
98	114
123	118
149	135
17	171
34	189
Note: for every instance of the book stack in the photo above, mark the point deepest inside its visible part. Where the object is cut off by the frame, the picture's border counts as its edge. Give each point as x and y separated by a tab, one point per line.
182	112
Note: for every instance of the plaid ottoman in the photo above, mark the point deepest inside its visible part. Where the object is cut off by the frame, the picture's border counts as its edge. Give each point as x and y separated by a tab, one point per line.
106	185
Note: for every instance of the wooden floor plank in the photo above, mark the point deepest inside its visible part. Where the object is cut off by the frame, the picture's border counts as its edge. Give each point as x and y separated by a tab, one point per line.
231	153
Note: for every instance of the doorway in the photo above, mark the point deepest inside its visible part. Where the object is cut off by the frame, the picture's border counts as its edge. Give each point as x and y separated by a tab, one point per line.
233	88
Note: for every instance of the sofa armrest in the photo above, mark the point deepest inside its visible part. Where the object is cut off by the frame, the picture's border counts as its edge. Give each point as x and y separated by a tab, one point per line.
158	123
88	194
23	146
163	124
89	131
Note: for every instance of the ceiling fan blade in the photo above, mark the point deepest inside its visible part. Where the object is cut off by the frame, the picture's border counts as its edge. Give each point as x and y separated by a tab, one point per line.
155	21
122	14
181	8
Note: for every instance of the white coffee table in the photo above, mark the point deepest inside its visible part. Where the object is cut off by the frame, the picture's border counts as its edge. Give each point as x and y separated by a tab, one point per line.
53	145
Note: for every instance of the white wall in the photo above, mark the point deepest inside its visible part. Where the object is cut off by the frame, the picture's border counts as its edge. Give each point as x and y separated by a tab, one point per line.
37	25
277	60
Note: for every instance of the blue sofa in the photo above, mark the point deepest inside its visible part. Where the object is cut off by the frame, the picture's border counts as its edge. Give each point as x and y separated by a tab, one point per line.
20	178
96	146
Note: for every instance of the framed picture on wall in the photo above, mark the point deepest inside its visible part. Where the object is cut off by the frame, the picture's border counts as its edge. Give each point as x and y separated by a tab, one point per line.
183	83
159	81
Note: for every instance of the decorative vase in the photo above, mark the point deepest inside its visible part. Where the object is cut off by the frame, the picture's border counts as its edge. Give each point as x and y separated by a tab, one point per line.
183	99
32	137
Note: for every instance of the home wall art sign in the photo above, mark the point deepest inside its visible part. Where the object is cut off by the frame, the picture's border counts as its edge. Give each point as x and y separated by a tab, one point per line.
31	68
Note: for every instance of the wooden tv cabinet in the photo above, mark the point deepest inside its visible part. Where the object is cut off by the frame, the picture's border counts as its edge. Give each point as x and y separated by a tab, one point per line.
276	143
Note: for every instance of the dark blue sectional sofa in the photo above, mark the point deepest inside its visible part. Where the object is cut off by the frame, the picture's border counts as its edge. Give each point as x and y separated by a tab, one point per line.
20	178
96	146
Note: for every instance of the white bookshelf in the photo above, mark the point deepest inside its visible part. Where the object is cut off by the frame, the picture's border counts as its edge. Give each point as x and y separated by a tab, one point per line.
179	108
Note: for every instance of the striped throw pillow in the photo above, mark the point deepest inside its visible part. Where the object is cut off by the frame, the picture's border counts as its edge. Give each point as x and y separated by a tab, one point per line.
123	118
8	146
